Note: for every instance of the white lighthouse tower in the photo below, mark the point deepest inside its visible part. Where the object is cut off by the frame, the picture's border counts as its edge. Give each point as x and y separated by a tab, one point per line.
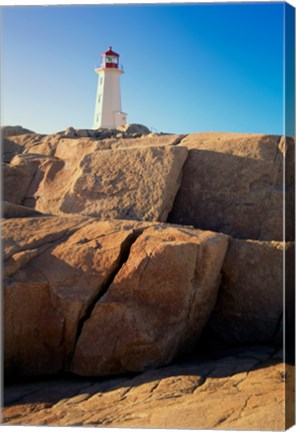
108	112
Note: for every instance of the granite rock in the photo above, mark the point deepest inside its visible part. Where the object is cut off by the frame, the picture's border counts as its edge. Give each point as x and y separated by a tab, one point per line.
249	388
233	183
250	301
156	306
54	268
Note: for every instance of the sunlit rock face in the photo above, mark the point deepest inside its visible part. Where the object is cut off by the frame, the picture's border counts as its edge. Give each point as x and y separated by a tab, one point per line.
111	178
73	285
233	183
125	249
230	183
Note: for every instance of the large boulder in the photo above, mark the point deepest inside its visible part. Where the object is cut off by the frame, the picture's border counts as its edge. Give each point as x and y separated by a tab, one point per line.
157	305
135	183
233	183
54	269
126	178
57	277
250	301
134	128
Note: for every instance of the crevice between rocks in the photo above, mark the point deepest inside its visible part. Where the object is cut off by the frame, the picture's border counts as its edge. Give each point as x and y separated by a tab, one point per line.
125	249
179	182
25	197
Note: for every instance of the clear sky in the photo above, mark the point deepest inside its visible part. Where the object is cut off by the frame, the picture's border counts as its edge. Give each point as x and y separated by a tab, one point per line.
188	67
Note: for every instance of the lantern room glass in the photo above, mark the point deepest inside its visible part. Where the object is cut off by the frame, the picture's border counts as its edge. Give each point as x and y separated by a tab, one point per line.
109	61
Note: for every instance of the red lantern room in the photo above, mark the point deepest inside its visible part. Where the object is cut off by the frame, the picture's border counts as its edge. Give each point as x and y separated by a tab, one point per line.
109	59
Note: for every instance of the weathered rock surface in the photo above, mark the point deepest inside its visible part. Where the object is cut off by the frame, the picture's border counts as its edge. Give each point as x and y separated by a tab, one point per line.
138	183
29	143
18	140
67	148
97	297
54	269
238	389
127	178
9	149
23	176
57	269
157	305
16	182
134	128
233	183
250	301
72	273
7	131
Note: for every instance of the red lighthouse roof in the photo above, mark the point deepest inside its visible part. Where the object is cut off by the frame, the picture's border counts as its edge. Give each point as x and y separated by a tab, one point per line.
110	53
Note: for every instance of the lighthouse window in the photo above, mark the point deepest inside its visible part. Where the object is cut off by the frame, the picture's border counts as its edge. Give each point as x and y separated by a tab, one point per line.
101	80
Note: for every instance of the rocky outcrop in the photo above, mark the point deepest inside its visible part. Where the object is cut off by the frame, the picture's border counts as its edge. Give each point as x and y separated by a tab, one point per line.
129	130
250	302
7	131
121	292
29	143
100	139
17	140
23	176
54	268
233	183
156	306
238	389
135	183
151	288
58	290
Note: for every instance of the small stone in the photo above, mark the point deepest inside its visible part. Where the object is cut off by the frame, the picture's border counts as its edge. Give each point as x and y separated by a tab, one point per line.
70	132
134	128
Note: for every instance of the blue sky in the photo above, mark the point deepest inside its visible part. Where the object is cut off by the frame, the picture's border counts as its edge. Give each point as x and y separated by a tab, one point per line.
188	67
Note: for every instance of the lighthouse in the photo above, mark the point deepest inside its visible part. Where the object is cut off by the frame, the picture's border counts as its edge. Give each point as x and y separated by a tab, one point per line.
108	112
